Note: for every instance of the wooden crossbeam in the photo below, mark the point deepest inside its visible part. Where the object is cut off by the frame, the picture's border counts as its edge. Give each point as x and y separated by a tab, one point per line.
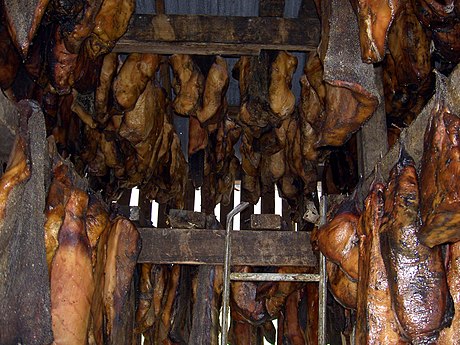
250	247
210	35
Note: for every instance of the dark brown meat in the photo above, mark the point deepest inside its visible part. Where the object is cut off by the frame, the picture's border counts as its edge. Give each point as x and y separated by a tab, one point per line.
416	275
374	20
342	288
62	64
243	299
111	23
293	333
338	239
440	202
123	247
72	283
164	323
97	222
9	59
451	335
83	26
133	77
376	322
407	68
440	18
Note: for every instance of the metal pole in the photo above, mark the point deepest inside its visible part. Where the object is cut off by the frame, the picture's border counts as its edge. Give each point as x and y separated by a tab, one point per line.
227	261
322	282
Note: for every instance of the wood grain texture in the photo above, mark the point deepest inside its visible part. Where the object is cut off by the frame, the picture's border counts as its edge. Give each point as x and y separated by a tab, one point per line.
257	248
200	34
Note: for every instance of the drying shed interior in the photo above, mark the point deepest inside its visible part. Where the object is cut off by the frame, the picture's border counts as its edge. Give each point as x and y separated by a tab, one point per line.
229	172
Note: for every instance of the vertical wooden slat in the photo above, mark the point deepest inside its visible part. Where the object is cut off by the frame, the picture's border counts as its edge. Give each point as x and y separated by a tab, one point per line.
159	6
145	208
124	198
225	209
287	215
162	212
268	201
245	217
189	195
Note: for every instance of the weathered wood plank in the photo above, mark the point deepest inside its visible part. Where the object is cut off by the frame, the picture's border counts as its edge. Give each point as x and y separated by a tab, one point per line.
253	248
199	34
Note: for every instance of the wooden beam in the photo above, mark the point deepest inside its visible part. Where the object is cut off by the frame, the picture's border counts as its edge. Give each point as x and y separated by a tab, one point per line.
210	35
249	247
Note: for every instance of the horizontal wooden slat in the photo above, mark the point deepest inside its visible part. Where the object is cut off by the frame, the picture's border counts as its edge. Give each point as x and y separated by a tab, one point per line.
249	247
199	34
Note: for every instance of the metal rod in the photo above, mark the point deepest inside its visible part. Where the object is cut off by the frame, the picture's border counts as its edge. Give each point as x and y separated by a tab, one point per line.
227	261
322	282
275	277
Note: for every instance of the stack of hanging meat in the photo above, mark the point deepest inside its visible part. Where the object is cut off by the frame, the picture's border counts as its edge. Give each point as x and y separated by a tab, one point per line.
275	145
91	260
399	286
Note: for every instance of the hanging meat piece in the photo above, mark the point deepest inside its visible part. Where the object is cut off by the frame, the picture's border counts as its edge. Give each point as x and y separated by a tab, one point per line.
205	324
56	200
62	64
82	26
241	332
9	59
342	288
351	94
23	18
133	77
376	322
243	299
416	275
197	136
111	23
451	335
338	238
104	85
281	98
374	21
440	202
72	282
407	68
440	18
215	88
293	332
97	221
188	84
164	323
17	171
123	247
139	122
144	309
275	297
